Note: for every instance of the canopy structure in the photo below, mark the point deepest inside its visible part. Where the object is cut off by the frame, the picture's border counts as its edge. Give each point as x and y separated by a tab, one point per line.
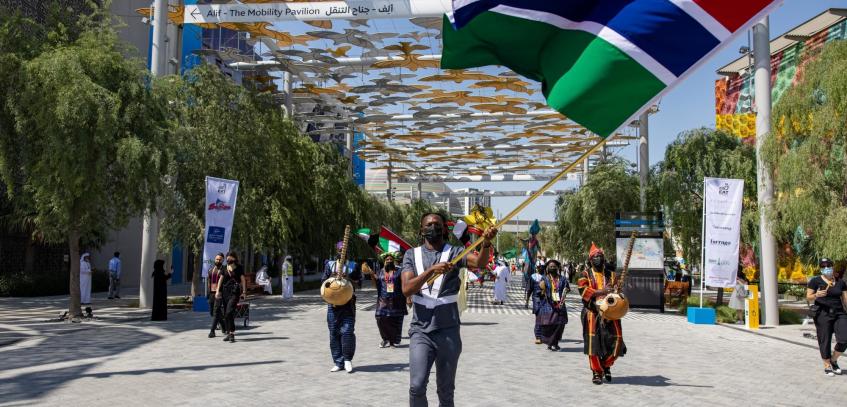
381	77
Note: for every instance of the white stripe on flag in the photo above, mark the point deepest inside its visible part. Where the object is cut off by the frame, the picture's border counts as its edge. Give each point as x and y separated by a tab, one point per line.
393	246
705	19
606	33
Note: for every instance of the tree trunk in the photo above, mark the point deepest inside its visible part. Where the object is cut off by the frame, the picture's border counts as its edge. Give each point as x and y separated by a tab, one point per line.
74	309
29	256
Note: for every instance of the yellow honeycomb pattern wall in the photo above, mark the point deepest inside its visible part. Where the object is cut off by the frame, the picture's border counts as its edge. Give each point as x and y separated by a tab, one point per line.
742	125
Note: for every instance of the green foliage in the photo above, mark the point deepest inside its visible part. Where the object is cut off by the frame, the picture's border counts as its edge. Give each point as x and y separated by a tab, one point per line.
80	130
726	315
806	151
588	214
294	195
790	317
677	183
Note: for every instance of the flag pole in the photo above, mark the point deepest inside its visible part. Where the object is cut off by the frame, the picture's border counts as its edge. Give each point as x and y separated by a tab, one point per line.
529	200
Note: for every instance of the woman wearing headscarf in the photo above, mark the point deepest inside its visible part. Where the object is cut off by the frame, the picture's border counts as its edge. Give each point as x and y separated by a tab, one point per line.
552	315
85	279
391	303
160	291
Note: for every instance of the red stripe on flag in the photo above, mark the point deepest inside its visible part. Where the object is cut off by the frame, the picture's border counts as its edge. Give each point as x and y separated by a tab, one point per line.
384	232
732	14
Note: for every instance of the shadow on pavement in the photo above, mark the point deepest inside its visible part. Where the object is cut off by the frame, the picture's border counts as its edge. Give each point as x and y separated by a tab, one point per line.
31	386
479	323
169	370
651	381
264	338
388	367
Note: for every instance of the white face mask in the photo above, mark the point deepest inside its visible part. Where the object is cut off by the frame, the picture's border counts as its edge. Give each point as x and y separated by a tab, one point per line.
826	271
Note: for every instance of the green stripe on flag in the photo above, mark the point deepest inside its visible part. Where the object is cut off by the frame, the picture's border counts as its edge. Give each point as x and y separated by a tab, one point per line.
584	77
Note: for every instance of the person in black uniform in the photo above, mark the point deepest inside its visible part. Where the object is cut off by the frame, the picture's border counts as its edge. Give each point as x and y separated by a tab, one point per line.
829	314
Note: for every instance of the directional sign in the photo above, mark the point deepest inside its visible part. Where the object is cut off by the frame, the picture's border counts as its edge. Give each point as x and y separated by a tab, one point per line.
330	10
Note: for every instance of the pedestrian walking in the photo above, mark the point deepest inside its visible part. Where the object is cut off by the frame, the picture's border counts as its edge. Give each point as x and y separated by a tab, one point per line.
115	276
826	291
232	287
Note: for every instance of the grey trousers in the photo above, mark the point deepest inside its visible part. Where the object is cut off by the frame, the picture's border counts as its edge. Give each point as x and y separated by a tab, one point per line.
441	347
114	286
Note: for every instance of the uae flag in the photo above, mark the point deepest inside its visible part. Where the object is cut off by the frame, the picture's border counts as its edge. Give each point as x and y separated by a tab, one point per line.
391	242
371	239
601	62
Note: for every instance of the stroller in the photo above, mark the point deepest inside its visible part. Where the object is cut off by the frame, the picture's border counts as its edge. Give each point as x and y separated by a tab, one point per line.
242	310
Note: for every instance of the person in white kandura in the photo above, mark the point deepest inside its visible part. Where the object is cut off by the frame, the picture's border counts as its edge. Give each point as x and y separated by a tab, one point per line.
287	278
503	275
84	279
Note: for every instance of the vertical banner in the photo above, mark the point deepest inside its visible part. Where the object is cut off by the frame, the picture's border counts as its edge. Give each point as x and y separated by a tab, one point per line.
721	230
221	195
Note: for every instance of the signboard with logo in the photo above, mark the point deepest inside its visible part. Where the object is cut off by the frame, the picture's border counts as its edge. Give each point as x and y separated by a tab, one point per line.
721	230
645	284
319	10
221	195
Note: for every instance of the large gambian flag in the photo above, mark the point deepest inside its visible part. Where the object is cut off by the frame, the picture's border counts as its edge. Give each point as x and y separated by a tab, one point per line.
601	62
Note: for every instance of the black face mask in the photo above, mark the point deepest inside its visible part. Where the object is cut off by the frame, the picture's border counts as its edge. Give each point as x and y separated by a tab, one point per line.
597	261
230	262
433	234
389	266
218	263
553	270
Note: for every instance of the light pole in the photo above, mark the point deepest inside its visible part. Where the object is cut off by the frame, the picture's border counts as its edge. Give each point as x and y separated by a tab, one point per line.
150	228
764	183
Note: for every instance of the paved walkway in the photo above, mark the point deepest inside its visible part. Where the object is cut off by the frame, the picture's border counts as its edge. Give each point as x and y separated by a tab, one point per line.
121	358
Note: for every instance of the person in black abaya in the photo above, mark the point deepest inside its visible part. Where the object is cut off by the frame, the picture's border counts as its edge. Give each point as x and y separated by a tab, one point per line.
160	291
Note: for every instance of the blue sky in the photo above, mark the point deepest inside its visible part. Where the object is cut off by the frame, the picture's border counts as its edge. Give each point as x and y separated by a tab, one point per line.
690	105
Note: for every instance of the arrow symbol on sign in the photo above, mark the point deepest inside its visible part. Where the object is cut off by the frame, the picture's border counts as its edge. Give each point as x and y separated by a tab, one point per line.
195	13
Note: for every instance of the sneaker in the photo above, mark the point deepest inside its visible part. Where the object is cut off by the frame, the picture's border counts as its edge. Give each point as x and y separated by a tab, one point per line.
538	341
835	368
335	369
596	378
212	334
828	371
111	298
226	338
383	344
607	373
118	296
348	366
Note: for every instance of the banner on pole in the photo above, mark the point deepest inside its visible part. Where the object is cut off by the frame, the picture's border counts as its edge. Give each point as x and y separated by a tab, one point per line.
221	195
722	230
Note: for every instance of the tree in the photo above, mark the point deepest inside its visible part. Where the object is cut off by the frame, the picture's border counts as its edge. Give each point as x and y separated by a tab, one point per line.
82	155
678	183
806	151
588	215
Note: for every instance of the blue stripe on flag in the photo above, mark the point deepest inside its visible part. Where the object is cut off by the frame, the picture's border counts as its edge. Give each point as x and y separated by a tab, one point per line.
658	27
